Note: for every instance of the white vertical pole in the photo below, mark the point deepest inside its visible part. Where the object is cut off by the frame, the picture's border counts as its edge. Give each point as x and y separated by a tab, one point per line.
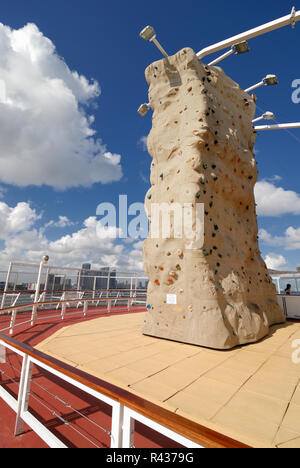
278	285
79	280
108	281
128	430
117	426
47	279
16	282
63	310
94	286
6	284
131	286
37	290
12	321
24	393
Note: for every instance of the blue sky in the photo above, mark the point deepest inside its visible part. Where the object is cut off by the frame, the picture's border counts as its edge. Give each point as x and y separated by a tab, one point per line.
100	40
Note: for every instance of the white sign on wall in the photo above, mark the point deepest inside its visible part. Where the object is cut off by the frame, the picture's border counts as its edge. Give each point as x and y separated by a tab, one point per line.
172	299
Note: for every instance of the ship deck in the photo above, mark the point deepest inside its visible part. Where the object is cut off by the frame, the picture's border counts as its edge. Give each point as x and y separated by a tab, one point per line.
250	394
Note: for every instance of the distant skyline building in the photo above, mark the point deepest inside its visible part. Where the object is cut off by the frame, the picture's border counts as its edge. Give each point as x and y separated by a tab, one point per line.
102	279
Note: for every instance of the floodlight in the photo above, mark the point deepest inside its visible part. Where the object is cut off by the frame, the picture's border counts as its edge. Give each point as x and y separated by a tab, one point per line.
269	80
149	34
46	259
265	116
144	109
241	48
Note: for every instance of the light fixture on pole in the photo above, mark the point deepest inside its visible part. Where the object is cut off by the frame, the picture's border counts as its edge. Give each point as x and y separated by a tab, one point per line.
148	34
144	109
238	49
269	80
265	116
278	127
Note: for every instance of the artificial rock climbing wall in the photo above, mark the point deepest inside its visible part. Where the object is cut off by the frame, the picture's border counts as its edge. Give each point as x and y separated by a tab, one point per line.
202	140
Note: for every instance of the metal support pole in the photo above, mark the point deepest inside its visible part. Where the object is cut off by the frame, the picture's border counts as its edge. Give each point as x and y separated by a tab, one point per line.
47	280
12	321
6	284
37	290
278	127
160	47
219	59
290	19
128	430
258	85
24	393
117	426
63	311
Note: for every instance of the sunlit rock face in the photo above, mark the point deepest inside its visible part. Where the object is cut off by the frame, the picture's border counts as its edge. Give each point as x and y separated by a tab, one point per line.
217	294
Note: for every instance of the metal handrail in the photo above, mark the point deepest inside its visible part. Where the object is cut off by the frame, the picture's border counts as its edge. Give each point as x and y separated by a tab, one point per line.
36	306
71	290
66	301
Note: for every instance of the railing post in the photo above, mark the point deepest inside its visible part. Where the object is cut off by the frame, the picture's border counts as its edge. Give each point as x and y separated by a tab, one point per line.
12	321
117	426
6	285
128	429
24	393
63	311
34	314
85	308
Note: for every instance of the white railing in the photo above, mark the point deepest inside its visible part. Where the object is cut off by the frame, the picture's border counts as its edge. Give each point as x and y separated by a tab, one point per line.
107	303
290	306
124	415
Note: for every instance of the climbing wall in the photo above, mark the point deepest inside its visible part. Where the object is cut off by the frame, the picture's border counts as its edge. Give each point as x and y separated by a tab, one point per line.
219	295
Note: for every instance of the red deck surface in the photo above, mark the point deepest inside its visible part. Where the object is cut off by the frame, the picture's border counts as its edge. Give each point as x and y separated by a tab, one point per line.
45	388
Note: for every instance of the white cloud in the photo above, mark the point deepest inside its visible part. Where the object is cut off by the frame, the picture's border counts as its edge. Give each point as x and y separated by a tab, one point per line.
92	243
143	141
46	134
17	219
275	201
276	262
289	241
63	221
2	192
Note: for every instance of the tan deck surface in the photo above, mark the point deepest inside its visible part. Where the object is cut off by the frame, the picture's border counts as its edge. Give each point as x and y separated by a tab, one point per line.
251	394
